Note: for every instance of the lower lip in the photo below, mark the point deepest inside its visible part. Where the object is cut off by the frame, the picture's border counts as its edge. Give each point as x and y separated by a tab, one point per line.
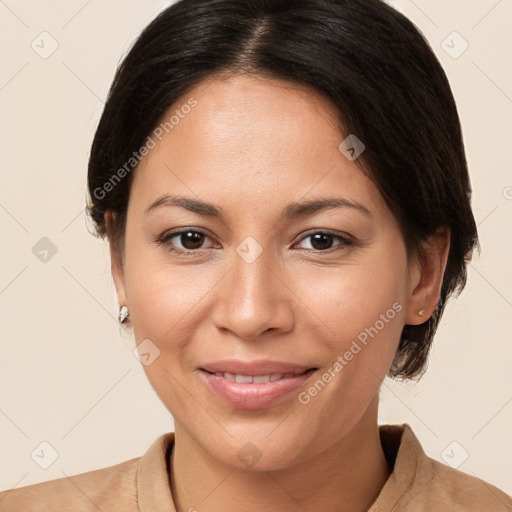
254	395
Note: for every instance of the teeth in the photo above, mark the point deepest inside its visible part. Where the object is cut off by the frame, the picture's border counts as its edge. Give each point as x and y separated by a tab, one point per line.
243	378
253	378
261	378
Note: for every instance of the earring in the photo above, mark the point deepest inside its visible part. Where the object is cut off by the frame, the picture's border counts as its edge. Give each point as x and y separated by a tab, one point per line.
421	312
123	314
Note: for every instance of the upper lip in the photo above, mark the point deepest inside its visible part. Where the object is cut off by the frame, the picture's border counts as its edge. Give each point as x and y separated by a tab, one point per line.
260	367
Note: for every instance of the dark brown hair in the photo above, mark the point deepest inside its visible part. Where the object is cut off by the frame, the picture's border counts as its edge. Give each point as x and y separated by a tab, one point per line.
373	65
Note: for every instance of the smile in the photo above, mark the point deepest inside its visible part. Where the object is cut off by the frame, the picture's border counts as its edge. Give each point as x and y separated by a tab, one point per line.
254	378
247	391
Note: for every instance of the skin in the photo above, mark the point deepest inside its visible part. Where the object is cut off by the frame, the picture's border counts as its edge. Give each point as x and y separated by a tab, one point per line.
251	146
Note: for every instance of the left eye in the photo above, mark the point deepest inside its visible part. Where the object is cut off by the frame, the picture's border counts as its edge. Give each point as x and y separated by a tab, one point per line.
323	241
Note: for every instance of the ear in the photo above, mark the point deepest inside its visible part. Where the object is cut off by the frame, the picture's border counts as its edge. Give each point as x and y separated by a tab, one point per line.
116	260
426	277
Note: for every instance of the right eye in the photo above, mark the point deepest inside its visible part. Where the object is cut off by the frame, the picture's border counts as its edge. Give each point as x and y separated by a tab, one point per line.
190	240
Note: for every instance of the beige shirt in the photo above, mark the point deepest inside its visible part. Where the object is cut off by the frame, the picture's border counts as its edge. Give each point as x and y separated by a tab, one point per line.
417	484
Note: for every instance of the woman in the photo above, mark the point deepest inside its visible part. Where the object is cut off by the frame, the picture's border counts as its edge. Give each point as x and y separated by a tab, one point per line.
284	189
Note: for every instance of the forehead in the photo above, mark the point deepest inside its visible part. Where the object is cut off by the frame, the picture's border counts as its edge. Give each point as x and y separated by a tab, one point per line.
251	141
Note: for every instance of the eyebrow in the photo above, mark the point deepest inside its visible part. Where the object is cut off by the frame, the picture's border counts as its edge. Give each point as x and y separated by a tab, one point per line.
291	211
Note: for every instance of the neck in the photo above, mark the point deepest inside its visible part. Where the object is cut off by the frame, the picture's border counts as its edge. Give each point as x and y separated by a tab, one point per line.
347	477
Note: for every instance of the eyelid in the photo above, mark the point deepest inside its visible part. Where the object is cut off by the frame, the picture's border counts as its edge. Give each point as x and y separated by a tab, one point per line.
179	231
325	231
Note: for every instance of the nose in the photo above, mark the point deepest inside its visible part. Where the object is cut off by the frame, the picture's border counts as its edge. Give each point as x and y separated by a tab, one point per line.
254	298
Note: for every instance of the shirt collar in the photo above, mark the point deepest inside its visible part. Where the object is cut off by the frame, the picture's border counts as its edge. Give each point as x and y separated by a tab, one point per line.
411	471
153	488
411	468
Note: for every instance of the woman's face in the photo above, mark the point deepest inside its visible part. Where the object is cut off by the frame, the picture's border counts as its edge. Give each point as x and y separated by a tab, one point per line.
264	278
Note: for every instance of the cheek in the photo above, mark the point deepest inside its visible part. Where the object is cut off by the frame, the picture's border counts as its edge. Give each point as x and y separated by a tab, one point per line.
162	303
352	297
361	307
161	294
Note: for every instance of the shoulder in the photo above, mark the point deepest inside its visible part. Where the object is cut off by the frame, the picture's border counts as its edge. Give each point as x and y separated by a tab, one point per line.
451	489
421	483
111	488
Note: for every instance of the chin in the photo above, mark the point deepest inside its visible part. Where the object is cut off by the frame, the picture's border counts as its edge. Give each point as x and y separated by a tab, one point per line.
255	448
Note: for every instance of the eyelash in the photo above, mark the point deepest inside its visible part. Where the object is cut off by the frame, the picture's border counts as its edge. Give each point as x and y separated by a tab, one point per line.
166	237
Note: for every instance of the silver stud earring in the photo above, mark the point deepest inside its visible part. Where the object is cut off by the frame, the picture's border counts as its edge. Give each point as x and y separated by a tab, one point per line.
421	312
123	314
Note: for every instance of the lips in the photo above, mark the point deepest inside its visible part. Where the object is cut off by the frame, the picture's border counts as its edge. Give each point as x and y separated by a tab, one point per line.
256	384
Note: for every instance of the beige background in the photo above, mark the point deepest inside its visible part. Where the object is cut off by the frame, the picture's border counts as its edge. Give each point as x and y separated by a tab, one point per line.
68	375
